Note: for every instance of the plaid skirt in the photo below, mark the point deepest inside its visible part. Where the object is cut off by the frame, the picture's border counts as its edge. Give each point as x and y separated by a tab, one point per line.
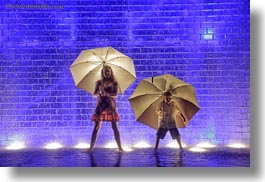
106	115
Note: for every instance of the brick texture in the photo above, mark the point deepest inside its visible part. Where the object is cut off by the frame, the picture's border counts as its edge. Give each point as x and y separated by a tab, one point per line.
203	42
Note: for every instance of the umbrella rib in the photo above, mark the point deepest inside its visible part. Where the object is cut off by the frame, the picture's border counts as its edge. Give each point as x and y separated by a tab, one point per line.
154	86
175	97
120	88
90	72
149	106
90	62
166	83
122	68
145	95
106	53
179	86
99	58
117	58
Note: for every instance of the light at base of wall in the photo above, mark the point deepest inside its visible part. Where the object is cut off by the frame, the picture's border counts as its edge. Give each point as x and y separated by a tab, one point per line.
237	145
205	145
197	149
175	144
16	146
52	146
82	146
142	144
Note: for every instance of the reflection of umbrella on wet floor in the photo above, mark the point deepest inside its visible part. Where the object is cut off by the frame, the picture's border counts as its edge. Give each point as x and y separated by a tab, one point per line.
149	93
86	69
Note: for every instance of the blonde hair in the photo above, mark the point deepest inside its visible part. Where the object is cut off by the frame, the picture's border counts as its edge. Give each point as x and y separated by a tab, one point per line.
112	78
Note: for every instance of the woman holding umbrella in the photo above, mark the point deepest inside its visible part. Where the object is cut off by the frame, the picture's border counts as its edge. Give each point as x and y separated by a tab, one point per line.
106	90
99	66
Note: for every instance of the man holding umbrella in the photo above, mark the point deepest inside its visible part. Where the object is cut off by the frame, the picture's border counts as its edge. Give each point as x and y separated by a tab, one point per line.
172	99
166	119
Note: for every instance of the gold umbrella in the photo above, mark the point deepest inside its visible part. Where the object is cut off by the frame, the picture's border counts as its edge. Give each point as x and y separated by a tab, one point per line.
149	93
86	69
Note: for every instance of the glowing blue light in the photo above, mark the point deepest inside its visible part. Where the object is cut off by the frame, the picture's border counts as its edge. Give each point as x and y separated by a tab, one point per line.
208	36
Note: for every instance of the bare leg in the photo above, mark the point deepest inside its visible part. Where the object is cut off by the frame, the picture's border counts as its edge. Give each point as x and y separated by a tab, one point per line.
157	143
94	135
116	135
179	142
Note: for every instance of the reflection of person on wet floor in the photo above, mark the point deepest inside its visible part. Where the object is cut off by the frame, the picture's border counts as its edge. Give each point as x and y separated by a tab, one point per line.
158	161
106	91
93	160
165	111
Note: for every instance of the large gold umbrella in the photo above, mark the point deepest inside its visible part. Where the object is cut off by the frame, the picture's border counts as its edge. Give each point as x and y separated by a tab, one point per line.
86	69
149	93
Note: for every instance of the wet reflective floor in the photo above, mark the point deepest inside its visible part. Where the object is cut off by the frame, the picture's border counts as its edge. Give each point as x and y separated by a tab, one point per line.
102	157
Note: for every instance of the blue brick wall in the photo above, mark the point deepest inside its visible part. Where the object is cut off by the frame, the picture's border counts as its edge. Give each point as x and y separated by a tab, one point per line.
203	42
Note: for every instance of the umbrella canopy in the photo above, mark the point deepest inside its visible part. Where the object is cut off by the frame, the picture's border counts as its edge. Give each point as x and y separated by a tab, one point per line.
149	93
86	69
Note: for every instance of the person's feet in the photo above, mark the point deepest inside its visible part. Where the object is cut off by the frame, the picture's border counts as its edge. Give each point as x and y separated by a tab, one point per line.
90	150
180	147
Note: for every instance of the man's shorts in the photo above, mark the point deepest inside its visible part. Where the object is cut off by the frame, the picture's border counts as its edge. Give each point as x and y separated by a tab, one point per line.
174	132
